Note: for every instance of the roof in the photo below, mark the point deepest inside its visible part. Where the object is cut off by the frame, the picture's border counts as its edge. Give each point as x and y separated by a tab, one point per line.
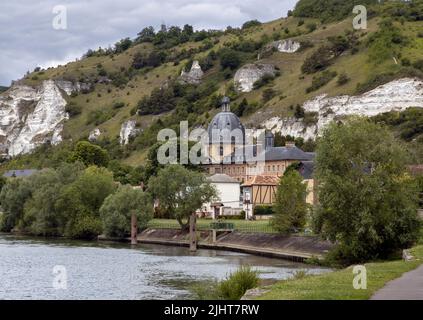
262	180
270	154
286	153
306	169
19	173
227	121
222	178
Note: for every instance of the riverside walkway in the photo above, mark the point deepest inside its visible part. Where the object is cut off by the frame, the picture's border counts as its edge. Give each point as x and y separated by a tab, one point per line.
407	287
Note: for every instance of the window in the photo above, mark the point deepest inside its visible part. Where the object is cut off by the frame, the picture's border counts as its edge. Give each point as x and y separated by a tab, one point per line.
221	150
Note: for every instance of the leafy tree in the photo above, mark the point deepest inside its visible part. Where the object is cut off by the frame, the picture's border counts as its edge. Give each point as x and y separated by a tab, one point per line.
146	35
181	191
90	154
290	207
117	209
81	200
368	202
229	59
12	199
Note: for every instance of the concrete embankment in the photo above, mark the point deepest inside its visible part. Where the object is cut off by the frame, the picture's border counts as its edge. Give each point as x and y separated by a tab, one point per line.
297	248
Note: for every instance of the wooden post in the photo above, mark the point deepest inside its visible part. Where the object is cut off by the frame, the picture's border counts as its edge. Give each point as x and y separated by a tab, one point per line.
193	233
134	228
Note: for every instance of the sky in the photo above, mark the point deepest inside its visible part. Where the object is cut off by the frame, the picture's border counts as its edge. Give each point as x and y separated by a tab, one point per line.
47	33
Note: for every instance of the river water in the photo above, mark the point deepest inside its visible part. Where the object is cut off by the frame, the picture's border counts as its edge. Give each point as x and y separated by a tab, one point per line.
33	268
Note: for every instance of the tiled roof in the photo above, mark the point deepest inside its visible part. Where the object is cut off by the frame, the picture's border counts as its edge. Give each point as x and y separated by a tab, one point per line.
262	180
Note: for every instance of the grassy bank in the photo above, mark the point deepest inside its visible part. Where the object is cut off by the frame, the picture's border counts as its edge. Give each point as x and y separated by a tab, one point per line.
204	224
338	285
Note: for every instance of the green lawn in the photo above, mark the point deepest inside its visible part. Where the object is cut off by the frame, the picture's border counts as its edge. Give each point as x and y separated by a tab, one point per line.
338	285
203	224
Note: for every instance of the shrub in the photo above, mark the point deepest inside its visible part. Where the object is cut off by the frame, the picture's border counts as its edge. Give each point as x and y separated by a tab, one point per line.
237	283
262	210
299	112
342	79
73	109
320	80
118	105
251	23
311	26
268	94
267	78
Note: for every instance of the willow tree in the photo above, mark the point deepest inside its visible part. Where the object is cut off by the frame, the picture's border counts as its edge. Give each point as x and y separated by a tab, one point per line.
368	201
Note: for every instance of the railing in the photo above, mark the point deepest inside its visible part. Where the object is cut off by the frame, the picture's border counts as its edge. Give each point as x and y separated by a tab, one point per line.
260	226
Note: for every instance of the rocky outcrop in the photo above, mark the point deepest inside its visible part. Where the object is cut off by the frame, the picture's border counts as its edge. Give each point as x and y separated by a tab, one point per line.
193	76
71	87
127	131
287	46
32	116
247	75
94	134
396	95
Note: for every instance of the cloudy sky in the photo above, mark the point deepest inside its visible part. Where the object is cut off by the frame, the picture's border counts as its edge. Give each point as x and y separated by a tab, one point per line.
28	38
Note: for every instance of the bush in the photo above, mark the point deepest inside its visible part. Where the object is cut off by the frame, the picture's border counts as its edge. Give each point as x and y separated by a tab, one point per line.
118	105
90	154
342	79
321	80
237	283
73	109
262	210
251	23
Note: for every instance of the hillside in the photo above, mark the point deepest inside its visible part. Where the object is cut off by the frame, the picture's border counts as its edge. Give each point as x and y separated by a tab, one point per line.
139	79
2	89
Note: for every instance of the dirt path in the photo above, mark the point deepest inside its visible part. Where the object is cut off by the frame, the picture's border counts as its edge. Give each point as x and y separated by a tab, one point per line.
407	287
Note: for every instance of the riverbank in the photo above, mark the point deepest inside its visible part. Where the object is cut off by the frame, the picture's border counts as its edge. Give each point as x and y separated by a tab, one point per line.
338	285
293	247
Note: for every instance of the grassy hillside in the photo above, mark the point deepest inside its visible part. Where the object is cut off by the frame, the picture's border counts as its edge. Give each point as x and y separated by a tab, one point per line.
2	89
352	62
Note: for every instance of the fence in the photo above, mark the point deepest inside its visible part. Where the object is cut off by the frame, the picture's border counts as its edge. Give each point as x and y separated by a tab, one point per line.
261	226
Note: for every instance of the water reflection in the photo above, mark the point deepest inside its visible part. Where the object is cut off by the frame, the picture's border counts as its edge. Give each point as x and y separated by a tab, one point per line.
117	271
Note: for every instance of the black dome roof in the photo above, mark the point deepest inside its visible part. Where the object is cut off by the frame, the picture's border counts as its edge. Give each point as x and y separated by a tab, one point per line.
225	120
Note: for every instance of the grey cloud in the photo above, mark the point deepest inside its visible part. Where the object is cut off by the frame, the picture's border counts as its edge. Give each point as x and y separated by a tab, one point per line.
27	38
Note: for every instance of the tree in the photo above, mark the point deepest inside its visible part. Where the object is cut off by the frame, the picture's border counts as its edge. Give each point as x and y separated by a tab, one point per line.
117	210
146	35
229	59
368	202
12	198
290	207
90	154
81	200
181	191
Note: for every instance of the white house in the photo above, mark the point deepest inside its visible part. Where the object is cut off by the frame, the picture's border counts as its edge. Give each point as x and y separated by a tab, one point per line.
228	202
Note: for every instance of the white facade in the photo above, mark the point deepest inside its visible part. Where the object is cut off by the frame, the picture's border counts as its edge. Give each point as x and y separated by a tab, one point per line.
228	201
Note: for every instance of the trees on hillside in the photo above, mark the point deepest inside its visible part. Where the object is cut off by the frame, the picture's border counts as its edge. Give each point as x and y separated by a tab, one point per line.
90	154
181	191
290	208
368	202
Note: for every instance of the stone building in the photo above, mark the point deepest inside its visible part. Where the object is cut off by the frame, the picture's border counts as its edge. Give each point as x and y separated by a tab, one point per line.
230	154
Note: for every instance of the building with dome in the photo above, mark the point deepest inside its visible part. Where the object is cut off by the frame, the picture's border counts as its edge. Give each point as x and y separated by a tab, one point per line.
229	152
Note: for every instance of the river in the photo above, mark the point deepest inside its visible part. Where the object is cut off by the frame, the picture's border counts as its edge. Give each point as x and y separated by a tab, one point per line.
36	268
